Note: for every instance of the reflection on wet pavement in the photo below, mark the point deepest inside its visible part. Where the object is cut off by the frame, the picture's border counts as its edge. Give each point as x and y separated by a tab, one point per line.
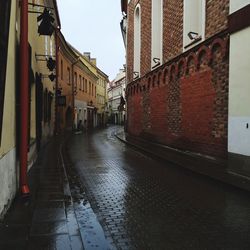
143	203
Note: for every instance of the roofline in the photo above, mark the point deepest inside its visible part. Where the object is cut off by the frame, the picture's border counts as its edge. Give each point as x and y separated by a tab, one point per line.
93	65
124	6
57	13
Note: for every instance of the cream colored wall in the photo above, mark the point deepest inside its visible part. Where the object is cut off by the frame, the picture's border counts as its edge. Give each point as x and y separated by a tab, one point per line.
8	165
237	4
239	88
38	44
8	141
101	91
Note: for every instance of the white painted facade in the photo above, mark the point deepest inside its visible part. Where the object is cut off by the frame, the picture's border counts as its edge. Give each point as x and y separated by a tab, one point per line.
137	42
116	89
157	33
239	88
8	165
81	111
237	4
8	180
194	15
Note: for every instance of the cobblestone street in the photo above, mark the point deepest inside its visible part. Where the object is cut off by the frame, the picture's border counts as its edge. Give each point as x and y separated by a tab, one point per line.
143	203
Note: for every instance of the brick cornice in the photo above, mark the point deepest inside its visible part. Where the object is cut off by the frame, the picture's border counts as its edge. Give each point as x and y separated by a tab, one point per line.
220	39
239	19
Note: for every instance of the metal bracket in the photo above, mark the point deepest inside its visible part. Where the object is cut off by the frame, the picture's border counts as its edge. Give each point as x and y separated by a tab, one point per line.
157	62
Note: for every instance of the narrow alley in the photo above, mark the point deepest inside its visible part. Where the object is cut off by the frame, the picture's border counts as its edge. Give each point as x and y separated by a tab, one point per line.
143	203
124	125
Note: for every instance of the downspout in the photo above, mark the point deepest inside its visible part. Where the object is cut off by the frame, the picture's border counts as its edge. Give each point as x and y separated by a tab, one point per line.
57	31
24	98
73	90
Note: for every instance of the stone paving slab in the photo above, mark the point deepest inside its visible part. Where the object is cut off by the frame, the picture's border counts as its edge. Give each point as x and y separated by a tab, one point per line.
47	219
144	203
215	168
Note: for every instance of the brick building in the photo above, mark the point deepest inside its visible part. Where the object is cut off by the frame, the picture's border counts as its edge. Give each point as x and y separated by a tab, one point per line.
178	75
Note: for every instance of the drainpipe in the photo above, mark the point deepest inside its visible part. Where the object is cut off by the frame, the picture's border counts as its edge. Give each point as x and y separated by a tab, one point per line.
73	90
24	98
57	31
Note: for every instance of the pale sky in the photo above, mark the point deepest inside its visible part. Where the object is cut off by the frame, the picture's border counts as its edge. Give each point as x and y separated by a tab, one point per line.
94	26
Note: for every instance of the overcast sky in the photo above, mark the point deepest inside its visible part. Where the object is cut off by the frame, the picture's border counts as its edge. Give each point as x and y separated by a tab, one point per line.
94	26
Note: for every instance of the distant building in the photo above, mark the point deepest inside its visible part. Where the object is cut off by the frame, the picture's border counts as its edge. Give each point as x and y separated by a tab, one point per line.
77	86
116	99
101	98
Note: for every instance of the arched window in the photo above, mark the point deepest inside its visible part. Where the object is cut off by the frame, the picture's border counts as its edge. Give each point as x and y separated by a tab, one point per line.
137	41
157	26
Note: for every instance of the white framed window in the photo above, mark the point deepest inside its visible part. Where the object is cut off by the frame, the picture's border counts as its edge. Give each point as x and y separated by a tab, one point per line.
51	47
46	45
157	31
194	22
137	42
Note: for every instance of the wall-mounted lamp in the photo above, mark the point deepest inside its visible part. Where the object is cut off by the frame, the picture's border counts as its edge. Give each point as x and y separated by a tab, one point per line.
192	35
136	74
157	62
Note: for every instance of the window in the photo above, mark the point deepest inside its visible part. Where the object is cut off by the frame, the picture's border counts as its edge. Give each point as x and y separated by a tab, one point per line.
89	88
194	22
47	105
137	42
46	45
5	8
80	82
51	47
75	81
61	69
86	86
157	26
83	82
68	75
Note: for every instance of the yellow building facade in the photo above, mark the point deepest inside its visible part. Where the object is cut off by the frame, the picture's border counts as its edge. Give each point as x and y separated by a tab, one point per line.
41	91
101	92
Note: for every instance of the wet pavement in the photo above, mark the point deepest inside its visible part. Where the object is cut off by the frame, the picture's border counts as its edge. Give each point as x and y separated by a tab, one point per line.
137	202
99	193
45	220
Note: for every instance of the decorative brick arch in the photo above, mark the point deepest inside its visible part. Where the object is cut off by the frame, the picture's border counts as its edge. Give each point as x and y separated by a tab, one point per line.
172	72
159	78
154	81
165	76
191	59
203	56
181	67
137	88
220	46
149	82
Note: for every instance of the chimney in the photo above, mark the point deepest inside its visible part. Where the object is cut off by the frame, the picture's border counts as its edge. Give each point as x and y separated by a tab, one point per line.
87	55
93	60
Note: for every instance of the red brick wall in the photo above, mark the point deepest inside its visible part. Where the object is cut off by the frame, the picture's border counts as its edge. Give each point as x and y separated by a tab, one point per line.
217	12
172	29
135	114
183	103
145	37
